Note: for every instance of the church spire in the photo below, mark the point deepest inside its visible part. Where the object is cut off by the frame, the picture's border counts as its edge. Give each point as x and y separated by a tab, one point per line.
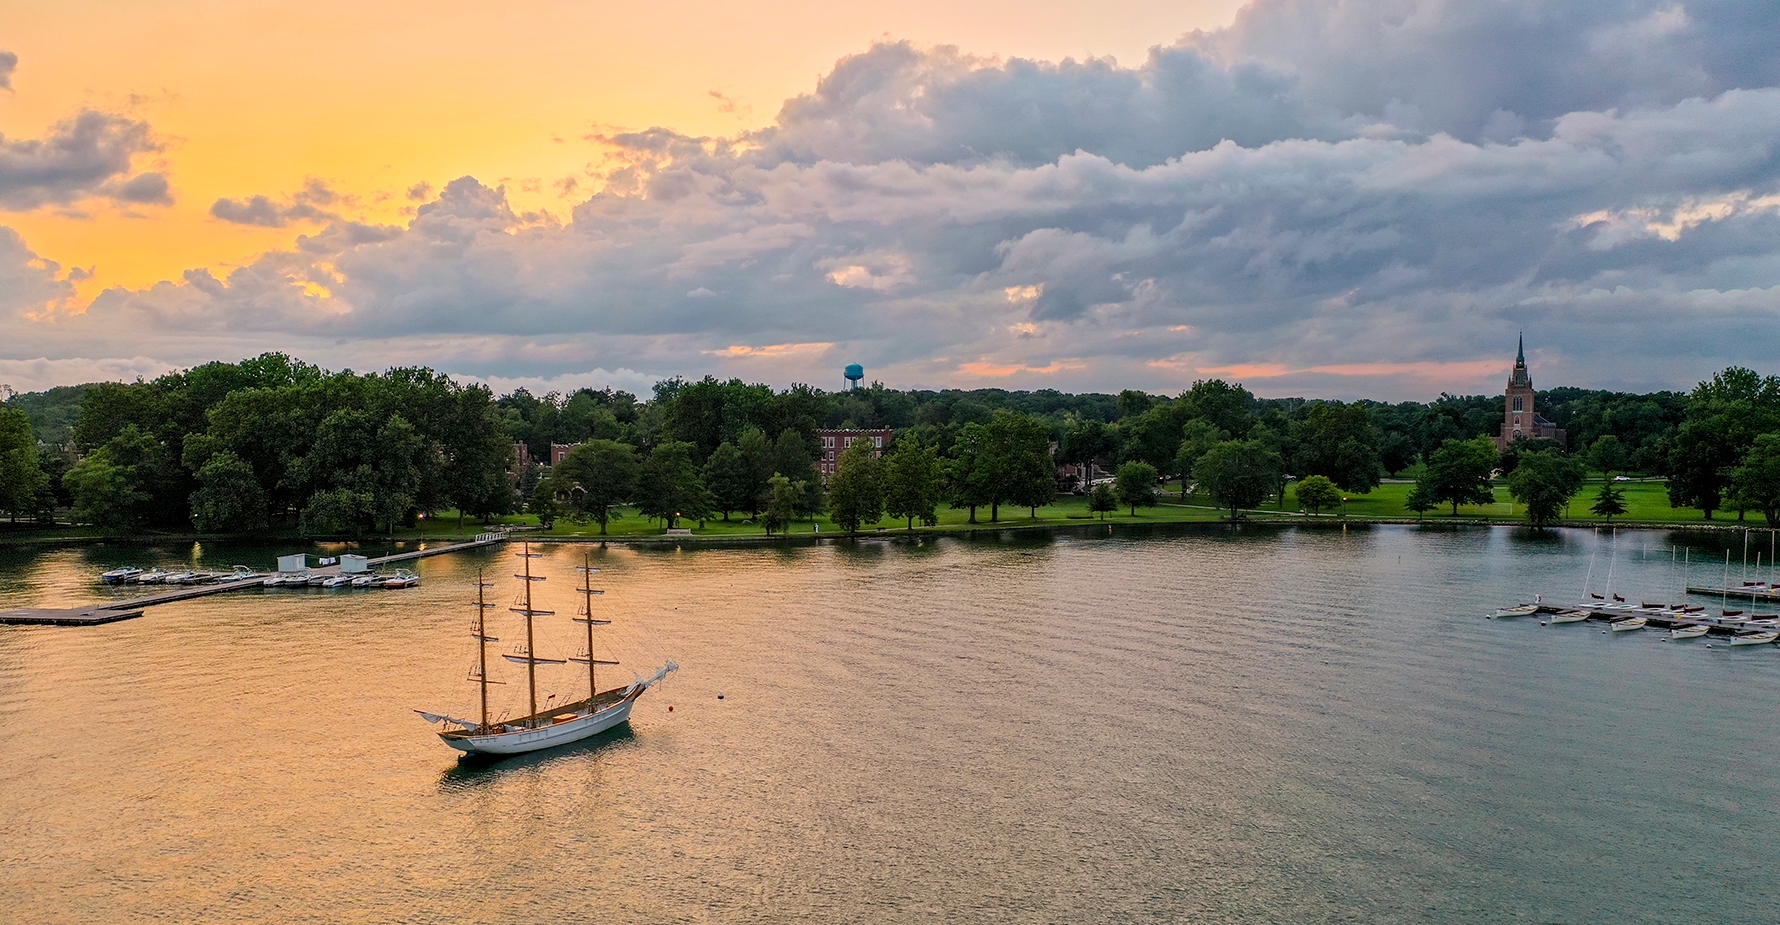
1520	355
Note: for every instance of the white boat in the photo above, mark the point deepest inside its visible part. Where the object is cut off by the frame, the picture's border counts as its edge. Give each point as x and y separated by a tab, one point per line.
126	573
1521	610
336	581
178	578
401	579
1630	623
1689	631
153	576
1754	639
1569	616
243	573
366	581
554	726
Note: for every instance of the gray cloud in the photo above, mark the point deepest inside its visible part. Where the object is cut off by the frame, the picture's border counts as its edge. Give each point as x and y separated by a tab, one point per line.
314	202
1370	217
79	158
145	189
8	63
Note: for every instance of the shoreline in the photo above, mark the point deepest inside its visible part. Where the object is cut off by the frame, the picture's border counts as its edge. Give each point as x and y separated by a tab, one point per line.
1267	519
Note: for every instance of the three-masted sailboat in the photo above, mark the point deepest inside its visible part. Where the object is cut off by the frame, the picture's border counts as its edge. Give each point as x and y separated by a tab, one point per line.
557	725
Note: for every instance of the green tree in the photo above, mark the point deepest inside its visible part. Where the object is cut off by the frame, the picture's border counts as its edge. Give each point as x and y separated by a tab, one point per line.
1607	455
1419	500
1317	493
1338	441
782	505
1459	473
671	487
971	469
1609	501
756	452
1724	417
1085	440
856	491
231	499
729	476
1135	485
337	510
543	503
1228	406
1239	474
596	477
1544	483
1756	483
1198	437
913	482
109	485
1102	499
21	469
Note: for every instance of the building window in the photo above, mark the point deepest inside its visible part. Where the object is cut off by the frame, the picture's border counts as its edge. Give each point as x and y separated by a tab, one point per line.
828	442
878	442
1517	401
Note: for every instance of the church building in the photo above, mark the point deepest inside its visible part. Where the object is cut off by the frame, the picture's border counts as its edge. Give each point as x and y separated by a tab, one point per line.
1518	417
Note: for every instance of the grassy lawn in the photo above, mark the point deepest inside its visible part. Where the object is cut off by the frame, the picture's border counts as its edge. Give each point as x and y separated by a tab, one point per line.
1647	501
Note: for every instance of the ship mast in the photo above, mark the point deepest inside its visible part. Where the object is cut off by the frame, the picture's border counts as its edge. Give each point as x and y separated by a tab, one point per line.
531	657
587	592
482	645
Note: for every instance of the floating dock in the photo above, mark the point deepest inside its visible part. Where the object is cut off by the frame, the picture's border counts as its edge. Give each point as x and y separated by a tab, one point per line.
1666	619
1744	593
95	614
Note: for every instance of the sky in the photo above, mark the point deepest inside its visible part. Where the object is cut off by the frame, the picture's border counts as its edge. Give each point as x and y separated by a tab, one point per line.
1328	198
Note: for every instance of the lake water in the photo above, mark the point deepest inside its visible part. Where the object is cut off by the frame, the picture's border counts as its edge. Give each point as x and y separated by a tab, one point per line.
1188	726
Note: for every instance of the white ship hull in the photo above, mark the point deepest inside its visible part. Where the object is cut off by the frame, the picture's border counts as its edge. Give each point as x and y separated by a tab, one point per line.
531	740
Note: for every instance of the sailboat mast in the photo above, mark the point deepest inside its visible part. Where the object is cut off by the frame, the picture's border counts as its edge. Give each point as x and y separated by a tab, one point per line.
531	652
482	645
587	602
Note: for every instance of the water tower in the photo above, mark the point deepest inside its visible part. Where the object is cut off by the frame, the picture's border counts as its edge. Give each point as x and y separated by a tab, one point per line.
854	373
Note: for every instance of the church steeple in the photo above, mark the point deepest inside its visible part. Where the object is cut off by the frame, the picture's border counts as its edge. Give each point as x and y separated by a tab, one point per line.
1520	378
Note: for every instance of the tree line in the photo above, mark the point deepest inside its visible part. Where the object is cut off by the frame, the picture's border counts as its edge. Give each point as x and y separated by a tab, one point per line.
274	442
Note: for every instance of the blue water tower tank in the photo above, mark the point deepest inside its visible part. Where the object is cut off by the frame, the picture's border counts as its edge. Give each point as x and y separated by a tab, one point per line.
855	372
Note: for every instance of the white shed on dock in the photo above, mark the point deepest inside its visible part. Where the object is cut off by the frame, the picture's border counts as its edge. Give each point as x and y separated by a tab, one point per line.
295	563
350	564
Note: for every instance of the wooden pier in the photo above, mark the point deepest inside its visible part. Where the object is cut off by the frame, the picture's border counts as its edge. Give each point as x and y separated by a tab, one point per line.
1745	593
1665	619
95	614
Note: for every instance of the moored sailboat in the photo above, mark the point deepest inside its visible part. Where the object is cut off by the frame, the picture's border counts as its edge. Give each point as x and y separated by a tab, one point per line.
559	724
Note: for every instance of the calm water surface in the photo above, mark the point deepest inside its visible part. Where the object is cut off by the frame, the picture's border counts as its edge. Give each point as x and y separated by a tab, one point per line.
1293	726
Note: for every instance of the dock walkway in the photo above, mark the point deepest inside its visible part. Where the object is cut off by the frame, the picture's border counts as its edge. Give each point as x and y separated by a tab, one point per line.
95	614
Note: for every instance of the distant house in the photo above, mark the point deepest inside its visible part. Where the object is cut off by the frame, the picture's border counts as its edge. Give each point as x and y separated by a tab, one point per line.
1519	420
835	442
560	452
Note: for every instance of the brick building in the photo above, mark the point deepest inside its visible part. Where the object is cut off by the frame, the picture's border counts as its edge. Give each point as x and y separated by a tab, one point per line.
1518	417
835	442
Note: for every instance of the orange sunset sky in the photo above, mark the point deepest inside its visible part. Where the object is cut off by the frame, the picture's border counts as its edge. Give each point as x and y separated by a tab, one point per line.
1315	197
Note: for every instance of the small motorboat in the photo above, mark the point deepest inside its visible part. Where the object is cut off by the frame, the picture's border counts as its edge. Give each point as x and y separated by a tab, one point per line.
242	573
368	581
1568	616
179	578
153	576
337	581
315	581
1630	623
1754	639
401	579
127	573
1689	631
1520	610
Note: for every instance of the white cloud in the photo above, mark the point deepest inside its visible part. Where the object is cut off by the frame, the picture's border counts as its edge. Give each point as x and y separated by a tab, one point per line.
1274	197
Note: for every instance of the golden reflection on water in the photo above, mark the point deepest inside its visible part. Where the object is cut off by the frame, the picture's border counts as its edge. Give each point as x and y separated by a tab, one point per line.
1275	726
